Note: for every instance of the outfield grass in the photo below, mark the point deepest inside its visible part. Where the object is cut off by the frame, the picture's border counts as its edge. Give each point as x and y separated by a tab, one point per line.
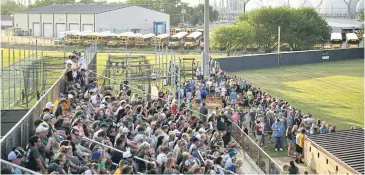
332	92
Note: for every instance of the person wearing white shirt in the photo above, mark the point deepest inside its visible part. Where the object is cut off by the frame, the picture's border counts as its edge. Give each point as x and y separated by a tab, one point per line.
75	66
162	157
188	96
83	62
151	128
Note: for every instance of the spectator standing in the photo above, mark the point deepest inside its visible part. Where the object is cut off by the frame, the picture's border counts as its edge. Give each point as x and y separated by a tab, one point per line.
299	146
279	130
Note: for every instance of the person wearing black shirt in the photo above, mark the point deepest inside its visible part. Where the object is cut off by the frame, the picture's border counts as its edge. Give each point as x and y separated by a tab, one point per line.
34	160
59	115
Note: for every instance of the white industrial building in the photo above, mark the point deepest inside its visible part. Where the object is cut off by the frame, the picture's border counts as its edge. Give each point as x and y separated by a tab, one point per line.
50	21
6	21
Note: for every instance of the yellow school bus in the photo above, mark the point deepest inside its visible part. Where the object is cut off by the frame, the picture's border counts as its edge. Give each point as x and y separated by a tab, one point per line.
161	40
193	40
177	40
114	40
145	40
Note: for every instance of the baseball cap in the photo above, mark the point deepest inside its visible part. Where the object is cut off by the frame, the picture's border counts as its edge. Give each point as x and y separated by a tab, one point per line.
60	95
203	103
48	116
202	130
82	116
96	155
127	154
102	106
49	104
103	125
53	167
41	128
70	96
125	130
12	155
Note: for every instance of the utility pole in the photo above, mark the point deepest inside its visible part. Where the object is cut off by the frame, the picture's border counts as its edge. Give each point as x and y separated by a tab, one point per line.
205	55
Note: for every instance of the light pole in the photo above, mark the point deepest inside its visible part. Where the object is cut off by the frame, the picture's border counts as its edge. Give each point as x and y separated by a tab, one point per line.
205	55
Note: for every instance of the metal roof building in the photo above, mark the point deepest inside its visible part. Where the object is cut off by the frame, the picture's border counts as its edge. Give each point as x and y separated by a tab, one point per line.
52	20
340	152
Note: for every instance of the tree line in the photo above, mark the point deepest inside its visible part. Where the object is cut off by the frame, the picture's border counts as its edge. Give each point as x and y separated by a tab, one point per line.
191	15
301	29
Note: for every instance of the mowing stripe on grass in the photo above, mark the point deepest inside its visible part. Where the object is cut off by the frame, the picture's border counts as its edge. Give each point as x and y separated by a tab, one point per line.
314	77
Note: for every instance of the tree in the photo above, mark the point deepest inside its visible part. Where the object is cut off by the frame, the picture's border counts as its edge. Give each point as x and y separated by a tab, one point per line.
300	28
86	2
9	7
233	37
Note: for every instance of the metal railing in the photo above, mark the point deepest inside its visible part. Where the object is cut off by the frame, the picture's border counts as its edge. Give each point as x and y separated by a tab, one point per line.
257	154
135	157
9	164
24	129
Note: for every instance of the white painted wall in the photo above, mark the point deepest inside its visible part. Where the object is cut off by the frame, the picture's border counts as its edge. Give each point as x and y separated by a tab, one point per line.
133	17
87	20
21	21
6	23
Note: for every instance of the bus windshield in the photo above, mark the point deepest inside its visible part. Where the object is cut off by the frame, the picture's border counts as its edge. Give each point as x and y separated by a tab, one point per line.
336	41
174	39
353	42
190	39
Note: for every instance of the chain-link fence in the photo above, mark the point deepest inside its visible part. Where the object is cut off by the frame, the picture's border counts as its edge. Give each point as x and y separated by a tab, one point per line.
24	129
27	40
26	72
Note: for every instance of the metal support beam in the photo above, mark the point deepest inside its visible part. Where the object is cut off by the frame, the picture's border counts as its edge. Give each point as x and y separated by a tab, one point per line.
205	55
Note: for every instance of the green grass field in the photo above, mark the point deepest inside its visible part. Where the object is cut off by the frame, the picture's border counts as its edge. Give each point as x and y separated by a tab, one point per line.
332	92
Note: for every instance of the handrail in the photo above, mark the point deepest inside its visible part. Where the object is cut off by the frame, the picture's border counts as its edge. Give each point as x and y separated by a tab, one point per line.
85	138
115	164
256	144
17	166
200	155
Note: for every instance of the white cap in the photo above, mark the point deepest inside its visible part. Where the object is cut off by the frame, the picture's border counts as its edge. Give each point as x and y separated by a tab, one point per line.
70	96
68	62
127	154
102	106
41	128
202	130
49	104
12	156
125	130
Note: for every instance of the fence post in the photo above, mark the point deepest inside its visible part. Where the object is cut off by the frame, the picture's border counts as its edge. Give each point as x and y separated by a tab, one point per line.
15	75
9	79
2	79
20	73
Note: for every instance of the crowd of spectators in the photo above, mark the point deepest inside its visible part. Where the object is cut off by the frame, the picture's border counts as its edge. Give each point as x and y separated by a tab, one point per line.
95	130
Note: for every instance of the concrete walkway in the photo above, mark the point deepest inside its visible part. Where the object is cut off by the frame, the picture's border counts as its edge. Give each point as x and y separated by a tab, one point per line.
248	166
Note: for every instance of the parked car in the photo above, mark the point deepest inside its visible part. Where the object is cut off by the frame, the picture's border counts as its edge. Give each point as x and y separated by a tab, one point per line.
59	41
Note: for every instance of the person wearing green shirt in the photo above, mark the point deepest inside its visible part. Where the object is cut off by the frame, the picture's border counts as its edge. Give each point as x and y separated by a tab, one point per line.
191	107
244	86
182	105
